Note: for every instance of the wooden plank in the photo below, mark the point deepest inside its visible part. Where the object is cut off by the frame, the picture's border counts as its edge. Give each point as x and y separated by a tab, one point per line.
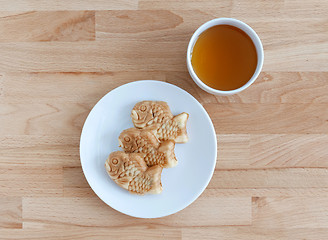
290	212
38	150
210	211
224	232
270	178
293	9
162	25
251	233
290	55
267	192
252	151
269	118
301	44
75	184
147	25
269	87
31	181
289	150
43	119
10	212
68	26
98	56
281	87
117	54
89	233
302	87
43	5
233	151
74	87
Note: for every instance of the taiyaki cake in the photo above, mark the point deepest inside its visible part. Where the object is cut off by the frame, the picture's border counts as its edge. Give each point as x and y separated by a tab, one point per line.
130	172
156	115
143	141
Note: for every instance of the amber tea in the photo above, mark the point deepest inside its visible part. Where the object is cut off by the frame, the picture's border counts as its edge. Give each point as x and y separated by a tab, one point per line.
224	57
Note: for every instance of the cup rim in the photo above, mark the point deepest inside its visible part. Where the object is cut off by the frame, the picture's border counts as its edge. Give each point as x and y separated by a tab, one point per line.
232	22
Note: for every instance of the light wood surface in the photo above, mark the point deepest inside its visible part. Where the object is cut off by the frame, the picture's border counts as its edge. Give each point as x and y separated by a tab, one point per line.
58	58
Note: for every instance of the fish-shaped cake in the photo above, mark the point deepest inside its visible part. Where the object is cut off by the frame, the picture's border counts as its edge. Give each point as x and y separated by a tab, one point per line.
157	115
130	172
144	142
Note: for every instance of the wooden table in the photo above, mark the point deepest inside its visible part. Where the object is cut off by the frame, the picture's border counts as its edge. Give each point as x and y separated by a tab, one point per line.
58	58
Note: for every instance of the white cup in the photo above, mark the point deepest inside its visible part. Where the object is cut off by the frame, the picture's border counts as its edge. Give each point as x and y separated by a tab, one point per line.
232	22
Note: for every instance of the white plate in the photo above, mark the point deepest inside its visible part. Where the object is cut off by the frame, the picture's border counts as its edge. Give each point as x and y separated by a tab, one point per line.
182	184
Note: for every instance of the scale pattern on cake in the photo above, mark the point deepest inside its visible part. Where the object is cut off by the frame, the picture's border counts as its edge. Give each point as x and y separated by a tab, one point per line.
157	117
130	172
144	142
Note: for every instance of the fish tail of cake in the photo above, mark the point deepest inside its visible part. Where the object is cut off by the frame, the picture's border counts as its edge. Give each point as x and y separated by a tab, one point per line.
181	121
154	173
167	148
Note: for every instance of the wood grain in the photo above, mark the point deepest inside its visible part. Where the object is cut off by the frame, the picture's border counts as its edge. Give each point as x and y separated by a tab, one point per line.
36	151
11	212
211	233
259	151
250	233
64	26
74	87
270	87
58	58
282	87
42	5
159	24
75	184
301	48
86	211
30	181
86	233
270	178
293	9
267	192
301	212
99	56
286	49
269	118
26	119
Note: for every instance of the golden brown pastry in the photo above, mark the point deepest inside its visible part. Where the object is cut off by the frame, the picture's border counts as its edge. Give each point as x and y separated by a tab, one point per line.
144	142
130	172
156	115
